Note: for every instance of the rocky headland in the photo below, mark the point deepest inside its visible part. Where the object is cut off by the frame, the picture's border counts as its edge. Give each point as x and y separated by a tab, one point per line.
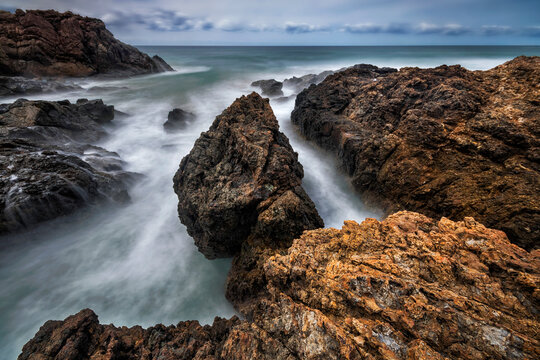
49	166
444	142
407	287
46	43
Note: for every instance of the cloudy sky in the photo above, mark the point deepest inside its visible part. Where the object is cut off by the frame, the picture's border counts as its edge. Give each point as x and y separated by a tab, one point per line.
308	22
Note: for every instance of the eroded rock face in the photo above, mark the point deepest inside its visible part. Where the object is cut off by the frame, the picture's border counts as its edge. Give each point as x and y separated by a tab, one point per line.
444	141
49	43
242	178
408	287
48	167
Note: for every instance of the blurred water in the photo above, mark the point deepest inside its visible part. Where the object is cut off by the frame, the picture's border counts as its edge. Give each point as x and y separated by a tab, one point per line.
136	264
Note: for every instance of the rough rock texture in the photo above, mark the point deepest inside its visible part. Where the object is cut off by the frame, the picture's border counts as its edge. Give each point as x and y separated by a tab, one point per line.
17	85
269	87
82	337
49	43
178	119
48	168
408	287
243	178
443	141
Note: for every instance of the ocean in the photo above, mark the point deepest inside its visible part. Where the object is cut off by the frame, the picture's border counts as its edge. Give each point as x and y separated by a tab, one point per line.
136	264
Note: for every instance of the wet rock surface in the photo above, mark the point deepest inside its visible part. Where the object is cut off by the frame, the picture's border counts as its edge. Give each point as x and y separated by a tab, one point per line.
269	87
48	167
444	142
242	178
178	119
18	85
408	287
49	43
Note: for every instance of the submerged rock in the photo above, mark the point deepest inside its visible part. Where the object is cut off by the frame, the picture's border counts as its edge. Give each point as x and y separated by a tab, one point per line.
445	141
49	43
408	287
47	167
269	87
18	85
243	178
178	119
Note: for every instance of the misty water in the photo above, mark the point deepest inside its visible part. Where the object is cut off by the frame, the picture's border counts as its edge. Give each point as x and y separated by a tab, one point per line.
136	264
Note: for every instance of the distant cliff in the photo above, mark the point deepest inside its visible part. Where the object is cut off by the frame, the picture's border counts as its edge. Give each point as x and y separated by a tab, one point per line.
49	43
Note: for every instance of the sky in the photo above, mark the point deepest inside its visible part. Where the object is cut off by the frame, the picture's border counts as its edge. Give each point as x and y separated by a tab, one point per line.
309	22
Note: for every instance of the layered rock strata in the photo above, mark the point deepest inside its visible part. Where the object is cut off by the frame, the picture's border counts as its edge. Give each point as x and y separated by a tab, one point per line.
445	141
48	167
49	43
242	178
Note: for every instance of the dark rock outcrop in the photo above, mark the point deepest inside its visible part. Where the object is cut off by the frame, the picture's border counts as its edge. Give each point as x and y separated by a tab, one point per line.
444	142
241	179
300	83
408	287
49	43
47	167
82	337
269	87
17	85
178	119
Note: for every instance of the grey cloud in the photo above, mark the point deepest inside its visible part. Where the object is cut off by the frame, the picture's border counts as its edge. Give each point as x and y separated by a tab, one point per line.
158	20
377	29
495	30
293	28
449	29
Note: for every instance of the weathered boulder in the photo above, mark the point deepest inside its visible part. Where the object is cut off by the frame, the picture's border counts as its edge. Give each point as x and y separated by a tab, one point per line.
241	179
49	43
269	87
178	119
408	287
444	142
47	167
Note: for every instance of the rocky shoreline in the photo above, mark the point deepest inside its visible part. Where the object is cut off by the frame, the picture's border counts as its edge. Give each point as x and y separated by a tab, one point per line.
407	287
451	155
49	167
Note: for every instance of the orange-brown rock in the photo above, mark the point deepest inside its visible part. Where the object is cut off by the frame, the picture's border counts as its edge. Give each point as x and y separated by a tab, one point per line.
444	142
408	287
49	43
